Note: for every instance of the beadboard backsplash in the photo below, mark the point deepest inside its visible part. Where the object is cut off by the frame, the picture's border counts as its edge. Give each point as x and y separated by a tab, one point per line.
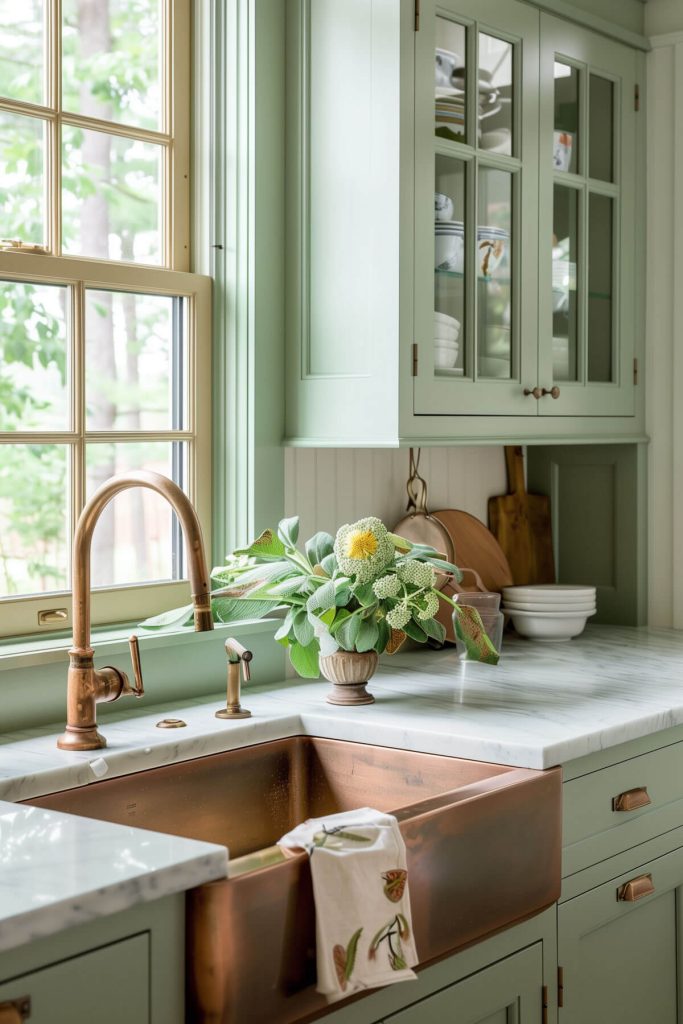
330	486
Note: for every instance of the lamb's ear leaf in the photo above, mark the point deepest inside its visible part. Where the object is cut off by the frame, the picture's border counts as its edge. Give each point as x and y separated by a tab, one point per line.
288	531
368	634
175	618
320	546
322	598
347	633
283	632
305	659
303	628
364	594
228	609
268	545
329	564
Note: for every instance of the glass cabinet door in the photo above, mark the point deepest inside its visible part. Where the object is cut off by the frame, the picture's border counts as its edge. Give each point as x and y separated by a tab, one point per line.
586	247
476	207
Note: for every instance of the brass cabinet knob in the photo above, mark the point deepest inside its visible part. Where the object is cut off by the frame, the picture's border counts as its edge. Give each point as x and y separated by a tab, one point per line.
635	889
554	392
534	392
632	799
14	1011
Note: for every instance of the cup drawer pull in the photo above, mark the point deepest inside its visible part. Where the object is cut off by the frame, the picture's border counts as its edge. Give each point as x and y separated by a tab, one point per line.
15	1011
632	799
635	889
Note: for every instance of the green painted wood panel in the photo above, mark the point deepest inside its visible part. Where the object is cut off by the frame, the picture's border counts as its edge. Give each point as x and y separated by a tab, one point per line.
622	960
508	992
106	986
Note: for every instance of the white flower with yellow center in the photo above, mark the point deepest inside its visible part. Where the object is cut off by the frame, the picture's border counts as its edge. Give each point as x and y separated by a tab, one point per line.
363	549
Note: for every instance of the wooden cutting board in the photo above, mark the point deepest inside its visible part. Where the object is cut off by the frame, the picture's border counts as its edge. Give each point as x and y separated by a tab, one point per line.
475	547
522	525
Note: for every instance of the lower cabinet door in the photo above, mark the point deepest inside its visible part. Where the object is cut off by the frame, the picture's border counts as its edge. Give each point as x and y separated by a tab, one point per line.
107	986
508	992
619	947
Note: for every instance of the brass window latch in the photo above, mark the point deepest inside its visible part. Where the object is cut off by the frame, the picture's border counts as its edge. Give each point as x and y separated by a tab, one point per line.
16	245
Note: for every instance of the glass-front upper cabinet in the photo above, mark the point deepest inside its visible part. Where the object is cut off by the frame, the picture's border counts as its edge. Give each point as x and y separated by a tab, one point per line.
587	313
476	198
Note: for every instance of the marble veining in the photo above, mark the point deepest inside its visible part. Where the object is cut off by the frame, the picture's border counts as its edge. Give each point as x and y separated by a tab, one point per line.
545	704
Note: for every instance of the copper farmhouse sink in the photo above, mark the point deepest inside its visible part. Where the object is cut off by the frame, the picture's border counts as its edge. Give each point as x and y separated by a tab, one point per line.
483	846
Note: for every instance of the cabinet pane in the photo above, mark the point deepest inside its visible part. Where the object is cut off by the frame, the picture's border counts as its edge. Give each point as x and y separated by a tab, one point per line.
601	119
495	107
566	123
449	80
449	267
494	277
564	294
600	298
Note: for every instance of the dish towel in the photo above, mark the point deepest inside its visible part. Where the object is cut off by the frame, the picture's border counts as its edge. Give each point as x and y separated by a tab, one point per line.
364	930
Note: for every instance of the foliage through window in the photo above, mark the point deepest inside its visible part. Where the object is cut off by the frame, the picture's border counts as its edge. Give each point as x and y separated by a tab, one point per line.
101	324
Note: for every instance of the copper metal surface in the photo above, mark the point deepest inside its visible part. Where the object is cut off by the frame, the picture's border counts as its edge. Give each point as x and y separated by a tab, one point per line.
171	723
483	844
635	889
87	687
632	799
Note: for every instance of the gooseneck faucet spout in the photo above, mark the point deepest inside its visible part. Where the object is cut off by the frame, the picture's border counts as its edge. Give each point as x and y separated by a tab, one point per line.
86	687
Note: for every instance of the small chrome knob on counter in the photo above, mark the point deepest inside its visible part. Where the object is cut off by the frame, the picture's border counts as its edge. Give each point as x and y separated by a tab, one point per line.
239	659
534	392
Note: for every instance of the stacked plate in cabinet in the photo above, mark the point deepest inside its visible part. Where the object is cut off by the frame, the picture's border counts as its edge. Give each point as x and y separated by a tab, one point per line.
551	611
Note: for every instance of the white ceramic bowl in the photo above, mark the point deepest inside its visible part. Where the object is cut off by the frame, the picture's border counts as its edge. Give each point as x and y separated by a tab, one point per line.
449	252
536	606
443	206
550	593
443	333
549	626
449	321
445	357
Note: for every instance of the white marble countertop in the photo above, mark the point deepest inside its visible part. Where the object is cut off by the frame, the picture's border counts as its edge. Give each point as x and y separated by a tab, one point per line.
545	704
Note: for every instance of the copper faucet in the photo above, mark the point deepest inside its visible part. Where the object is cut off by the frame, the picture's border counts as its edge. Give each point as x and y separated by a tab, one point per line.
86	686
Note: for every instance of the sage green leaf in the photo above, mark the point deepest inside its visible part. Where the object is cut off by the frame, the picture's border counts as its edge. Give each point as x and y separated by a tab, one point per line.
292	585
323	598
318	547
383	635
305	660
351	951
265	546
176	617
368	634
415	631
342	596
321	628
347	632
365	595
227	609
268	572
286	626
434	629
288	531
329	564
303	628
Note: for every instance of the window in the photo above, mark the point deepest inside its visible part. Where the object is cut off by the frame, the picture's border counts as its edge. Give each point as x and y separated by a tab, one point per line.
104	334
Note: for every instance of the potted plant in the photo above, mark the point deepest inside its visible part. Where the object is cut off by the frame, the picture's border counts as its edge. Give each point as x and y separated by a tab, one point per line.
347	599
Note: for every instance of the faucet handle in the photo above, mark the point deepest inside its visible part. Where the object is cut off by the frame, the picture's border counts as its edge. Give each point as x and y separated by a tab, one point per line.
139	687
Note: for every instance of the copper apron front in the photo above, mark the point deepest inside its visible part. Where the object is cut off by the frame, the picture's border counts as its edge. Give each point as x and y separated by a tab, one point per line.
483	845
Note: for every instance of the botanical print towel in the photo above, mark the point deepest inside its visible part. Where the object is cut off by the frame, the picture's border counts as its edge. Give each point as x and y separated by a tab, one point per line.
360	883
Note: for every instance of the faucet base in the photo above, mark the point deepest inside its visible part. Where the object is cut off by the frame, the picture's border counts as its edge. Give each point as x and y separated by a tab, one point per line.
238	712
75	738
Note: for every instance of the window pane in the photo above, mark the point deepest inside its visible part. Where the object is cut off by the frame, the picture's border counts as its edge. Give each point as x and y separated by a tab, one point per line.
133	361
564	296
495	94
111	60
111	197
600	214
22	178
135	540
494	274
33	357
449	80
33	518
566	133
449	267
22	50
601	128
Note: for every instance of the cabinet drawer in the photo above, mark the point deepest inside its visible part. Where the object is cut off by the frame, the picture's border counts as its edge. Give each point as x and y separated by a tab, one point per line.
649	791
107	986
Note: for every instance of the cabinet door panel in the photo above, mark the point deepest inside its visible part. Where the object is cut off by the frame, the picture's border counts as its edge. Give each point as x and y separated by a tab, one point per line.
476	204
508	992
587	202
621	959
106	986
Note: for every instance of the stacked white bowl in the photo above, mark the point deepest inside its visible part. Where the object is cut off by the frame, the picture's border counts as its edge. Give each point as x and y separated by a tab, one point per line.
550	611
446	344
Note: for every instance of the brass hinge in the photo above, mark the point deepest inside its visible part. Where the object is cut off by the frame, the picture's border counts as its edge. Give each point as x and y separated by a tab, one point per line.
636	98
544	1004
560	986
635	371
414	360
417	15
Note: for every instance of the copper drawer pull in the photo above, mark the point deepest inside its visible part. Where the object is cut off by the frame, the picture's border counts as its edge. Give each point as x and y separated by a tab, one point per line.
15	1011
533	393
634	890
632	799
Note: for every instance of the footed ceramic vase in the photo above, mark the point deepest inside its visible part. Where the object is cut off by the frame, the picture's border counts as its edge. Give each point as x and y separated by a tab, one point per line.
349	672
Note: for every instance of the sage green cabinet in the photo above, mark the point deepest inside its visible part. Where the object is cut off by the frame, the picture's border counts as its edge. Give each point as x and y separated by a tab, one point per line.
511	990
462	208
